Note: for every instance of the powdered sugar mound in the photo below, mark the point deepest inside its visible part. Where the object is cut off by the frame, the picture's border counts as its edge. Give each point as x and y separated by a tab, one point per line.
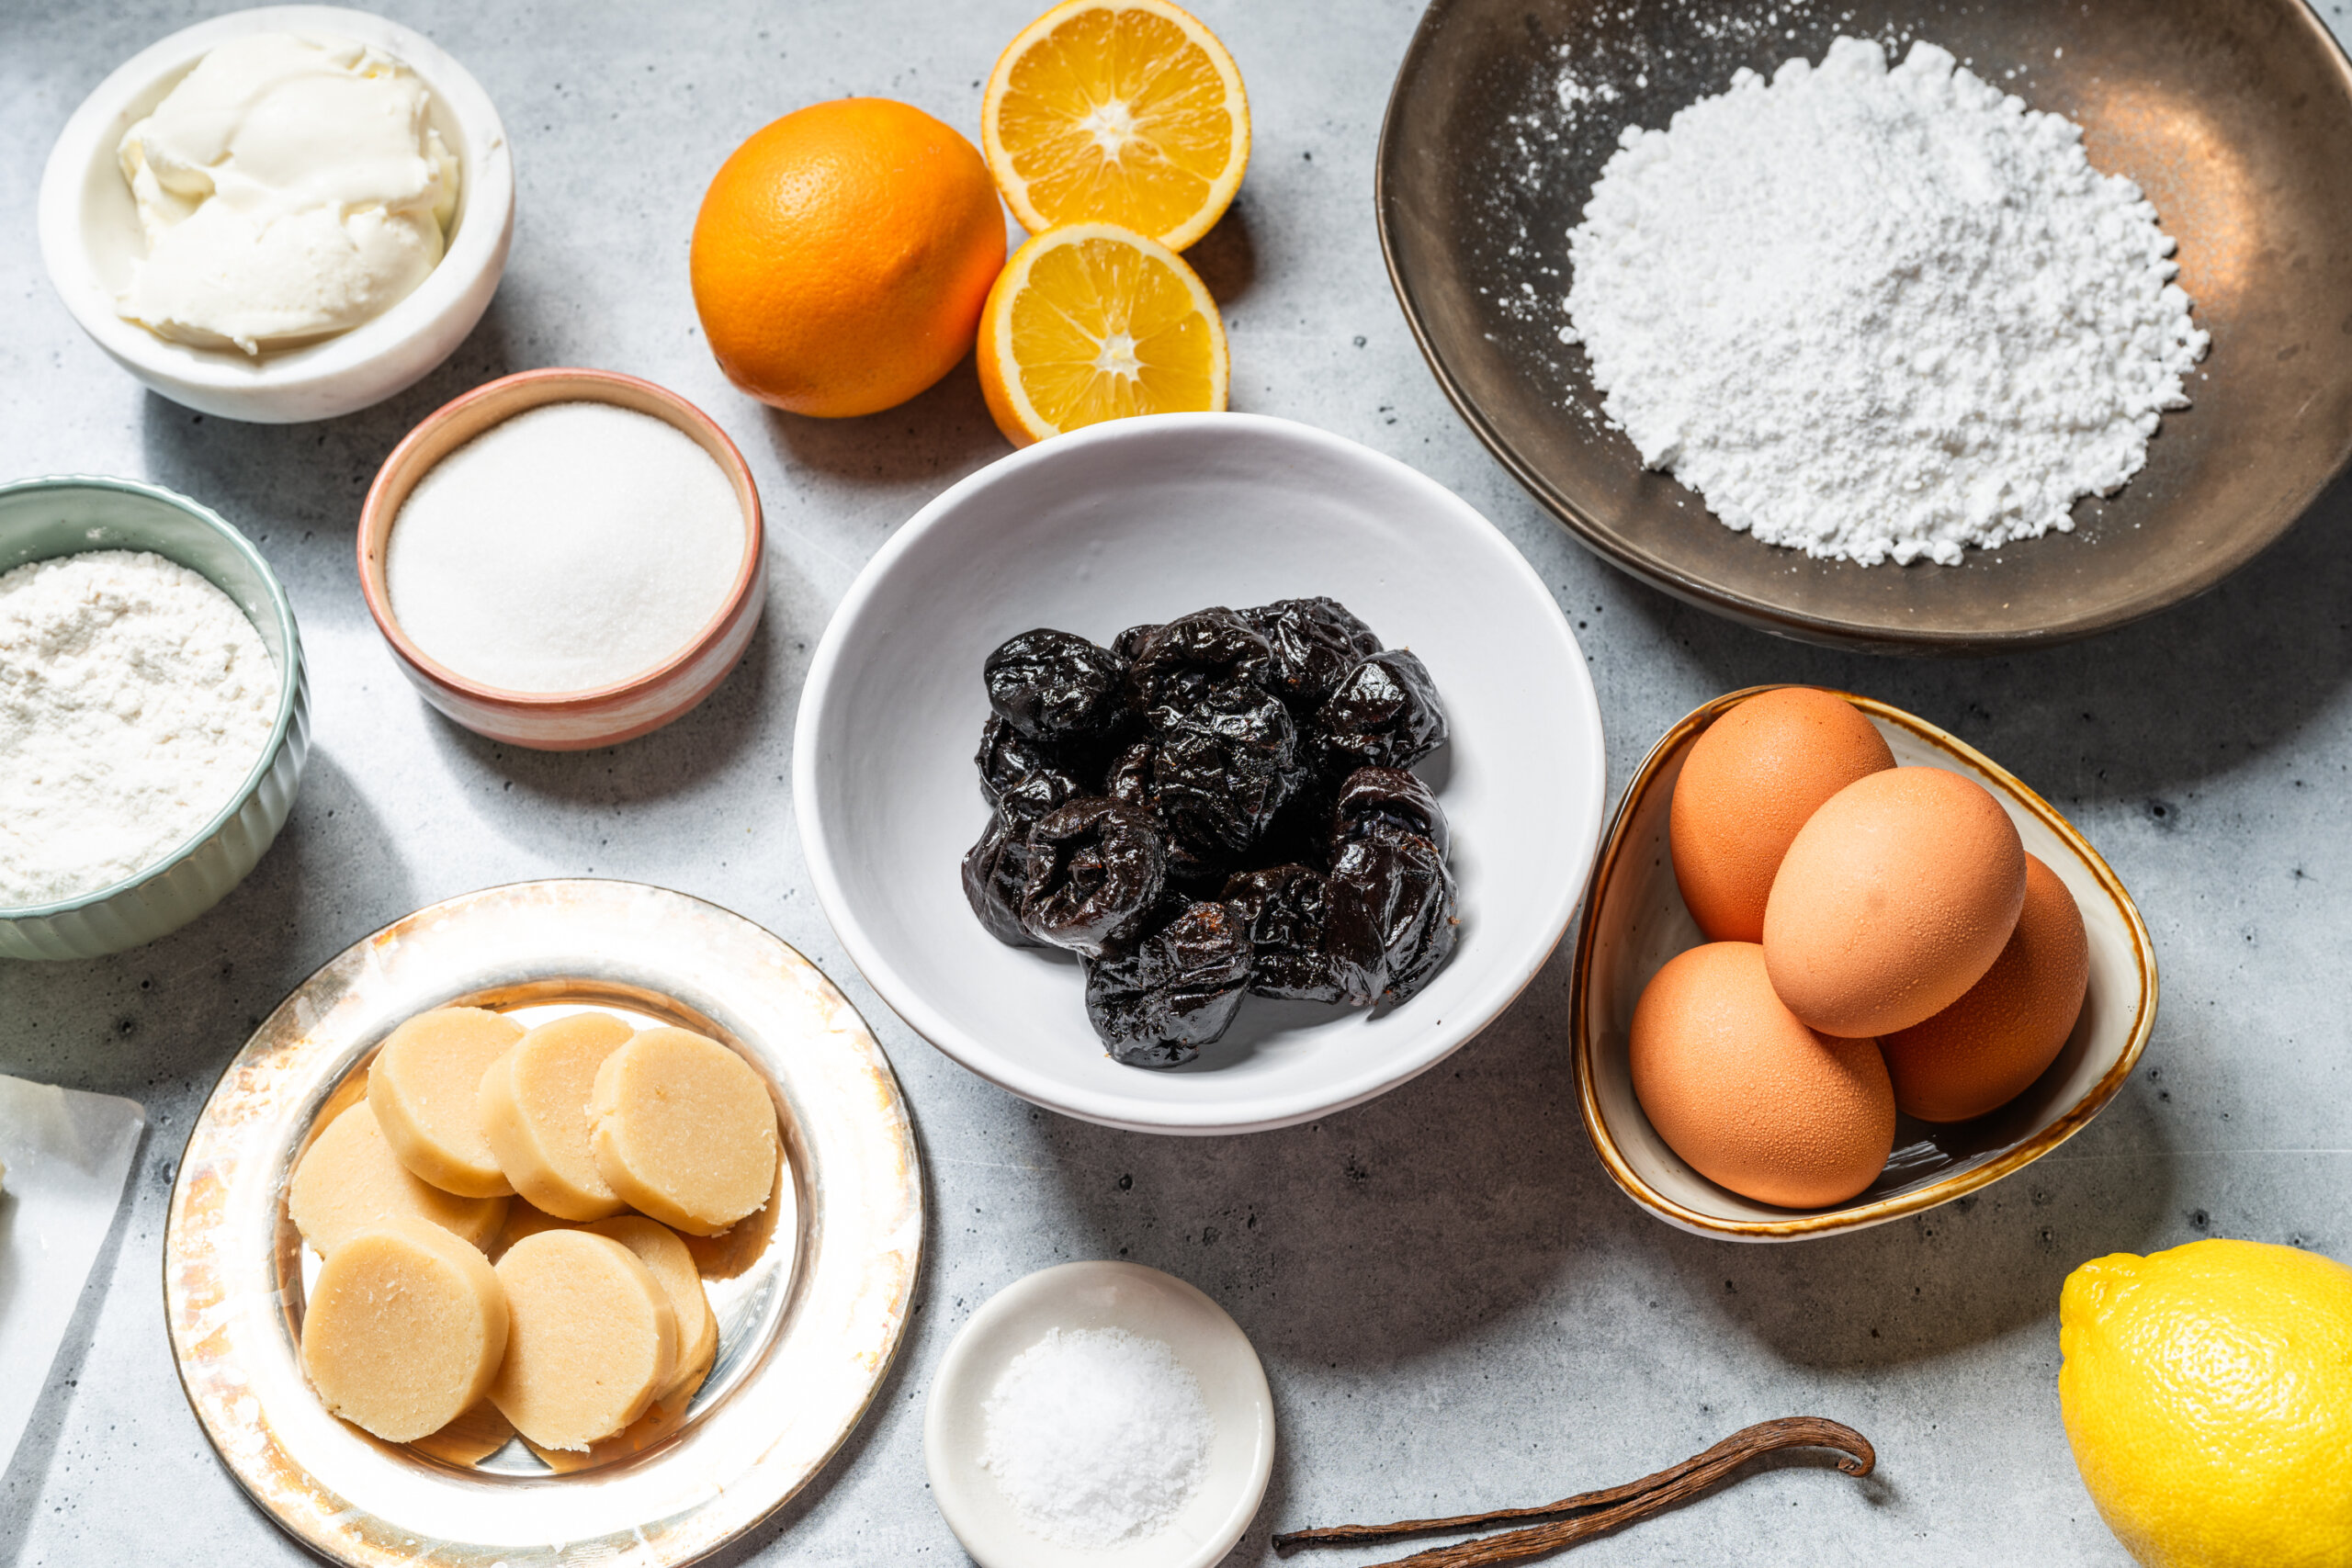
1098	1437
1875	313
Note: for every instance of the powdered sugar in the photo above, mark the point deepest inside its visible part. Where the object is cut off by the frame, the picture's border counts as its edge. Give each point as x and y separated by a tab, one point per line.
1097	1436
134	699
1875	313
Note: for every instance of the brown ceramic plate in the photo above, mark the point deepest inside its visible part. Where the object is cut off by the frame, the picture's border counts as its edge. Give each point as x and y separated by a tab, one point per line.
1635	920
2235	115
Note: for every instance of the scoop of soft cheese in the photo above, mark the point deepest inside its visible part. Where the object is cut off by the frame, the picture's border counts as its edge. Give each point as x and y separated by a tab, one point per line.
290	189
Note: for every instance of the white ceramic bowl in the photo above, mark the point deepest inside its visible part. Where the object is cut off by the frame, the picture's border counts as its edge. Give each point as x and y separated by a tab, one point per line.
1141	519
1146	1303
90	236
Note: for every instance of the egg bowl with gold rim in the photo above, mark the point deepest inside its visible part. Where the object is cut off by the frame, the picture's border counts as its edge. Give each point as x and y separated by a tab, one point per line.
564	721
1635	920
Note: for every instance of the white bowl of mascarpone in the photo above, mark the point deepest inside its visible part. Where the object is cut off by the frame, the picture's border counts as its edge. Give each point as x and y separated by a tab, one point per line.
282	214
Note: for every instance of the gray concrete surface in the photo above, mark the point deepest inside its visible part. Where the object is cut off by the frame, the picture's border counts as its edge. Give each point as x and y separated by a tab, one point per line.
1455	1306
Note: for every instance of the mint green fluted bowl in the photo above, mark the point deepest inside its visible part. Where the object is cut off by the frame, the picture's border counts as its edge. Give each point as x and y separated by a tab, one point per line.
72	513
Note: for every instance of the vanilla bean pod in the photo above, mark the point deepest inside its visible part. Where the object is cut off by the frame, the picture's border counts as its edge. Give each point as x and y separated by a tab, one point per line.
1605	1510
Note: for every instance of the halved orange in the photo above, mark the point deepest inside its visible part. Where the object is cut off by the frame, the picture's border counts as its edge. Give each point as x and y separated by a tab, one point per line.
1093	321
1117	111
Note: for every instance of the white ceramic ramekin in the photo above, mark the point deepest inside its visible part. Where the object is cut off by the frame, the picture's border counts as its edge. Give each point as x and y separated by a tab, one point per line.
90	236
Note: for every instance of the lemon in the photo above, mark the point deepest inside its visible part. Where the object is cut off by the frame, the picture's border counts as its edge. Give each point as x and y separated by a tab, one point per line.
2207	1392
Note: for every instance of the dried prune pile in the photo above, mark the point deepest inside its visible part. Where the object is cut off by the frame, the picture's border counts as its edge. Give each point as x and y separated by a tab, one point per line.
1214	806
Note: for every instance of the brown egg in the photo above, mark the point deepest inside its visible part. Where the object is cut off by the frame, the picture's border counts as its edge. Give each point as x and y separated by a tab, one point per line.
1749	783
1751	1097
1896	896
1982	1052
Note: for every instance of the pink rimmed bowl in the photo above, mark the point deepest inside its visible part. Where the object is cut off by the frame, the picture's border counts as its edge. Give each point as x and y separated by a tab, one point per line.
603	716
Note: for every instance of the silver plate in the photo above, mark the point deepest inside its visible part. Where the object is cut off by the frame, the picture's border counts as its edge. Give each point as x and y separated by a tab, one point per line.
812	1296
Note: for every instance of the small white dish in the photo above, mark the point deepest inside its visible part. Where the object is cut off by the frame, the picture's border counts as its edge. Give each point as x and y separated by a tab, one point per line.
1150	1305
90	235
1139	520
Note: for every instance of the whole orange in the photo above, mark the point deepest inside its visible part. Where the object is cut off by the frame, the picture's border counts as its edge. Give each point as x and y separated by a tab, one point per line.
842	255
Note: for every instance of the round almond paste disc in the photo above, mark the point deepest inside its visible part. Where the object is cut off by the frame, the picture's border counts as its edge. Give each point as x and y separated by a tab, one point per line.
534	1109
405	1329
658	1247
591	1341
349	1178
683	1130
423	1084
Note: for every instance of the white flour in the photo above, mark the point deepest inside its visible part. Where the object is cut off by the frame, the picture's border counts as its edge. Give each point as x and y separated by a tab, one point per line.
1875	313
134	698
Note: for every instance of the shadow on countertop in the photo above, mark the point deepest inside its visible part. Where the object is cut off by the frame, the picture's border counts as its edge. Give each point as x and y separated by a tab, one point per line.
268	479
1394	1229
939	434
2147	711
178	1008
746	711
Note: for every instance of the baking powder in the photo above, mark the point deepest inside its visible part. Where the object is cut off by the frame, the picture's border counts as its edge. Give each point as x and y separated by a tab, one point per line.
134	699
1874	313
1097	1436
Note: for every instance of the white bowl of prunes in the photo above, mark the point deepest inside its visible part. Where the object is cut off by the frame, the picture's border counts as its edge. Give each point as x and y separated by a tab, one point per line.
1222	868
1214	807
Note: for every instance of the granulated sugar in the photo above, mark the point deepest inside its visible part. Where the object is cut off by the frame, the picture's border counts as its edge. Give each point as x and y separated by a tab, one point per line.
571	547
1874	313
134	699
1097	1436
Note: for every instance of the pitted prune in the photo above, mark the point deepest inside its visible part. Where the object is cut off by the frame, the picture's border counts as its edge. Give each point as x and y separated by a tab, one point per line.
1129	643
1312	643
996	874
1221	768
1050	685
1212	807
1195	865
1175	993
1392	916
1096	869
1384	714
1284	909
1176	665
1022	777
1129	780
1384	802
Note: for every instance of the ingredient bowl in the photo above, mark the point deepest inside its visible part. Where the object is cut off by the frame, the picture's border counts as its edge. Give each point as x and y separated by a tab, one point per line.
90	234
2234	116
564	721
1635	920
1139	520
65	515
1150	1305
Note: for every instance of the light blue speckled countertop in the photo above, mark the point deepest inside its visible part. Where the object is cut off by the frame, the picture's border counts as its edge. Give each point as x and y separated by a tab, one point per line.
1455	1306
